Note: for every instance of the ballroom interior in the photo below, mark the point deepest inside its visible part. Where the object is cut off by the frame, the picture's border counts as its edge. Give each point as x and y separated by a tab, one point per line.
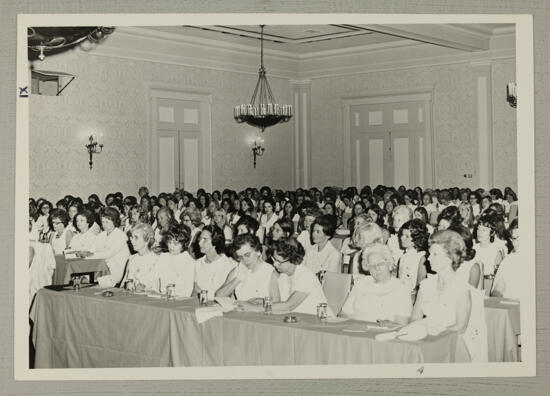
418	105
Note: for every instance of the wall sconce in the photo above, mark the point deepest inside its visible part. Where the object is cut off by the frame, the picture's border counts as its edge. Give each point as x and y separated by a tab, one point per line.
511	94
258	149
93	147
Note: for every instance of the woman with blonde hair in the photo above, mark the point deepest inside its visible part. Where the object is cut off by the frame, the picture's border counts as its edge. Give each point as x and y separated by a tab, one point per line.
141	266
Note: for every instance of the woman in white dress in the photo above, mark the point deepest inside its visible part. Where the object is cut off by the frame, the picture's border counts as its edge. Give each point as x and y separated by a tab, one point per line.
380	296
470	270
510	279
213	267
175	265
85	240
413	238
61	236
443	301
305	290
323	256
141	266
267	219
253	279
488	252
111	245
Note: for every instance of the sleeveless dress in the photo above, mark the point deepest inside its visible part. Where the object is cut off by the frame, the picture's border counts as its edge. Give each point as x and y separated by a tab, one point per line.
253	284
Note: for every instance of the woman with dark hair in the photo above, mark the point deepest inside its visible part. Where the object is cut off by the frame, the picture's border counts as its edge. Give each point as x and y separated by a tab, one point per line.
40	225
448	216
422	214
470	269
305	290
84	241
323	256
267	219
175	264
213	266
112	246
474	200
358	208
61	236
95	199
376	214
443	301
510	279
511	208
488	252
413	239
253	279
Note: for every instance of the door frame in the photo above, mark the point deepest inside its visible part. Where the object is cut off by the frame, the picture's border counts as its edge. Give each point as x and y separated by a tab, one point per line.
424	94
157	91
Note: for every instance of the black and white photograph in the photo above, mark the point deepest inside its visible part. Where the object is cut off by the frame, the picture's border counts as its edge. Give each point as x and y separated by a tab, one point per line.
274	196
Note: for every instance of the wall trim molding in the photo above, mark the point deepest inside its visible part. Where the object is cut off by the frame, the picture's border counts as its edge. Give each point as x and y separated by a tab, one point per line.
169	48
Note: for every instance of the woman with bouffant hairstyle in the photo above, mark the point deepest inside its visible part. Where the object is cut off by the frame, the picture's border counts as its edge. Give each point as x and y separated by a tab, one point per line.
443	301
305	290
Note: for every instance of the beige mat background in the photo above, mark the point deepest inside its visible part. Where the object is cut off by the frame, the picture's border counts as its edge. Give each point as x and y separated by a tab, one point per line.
8	92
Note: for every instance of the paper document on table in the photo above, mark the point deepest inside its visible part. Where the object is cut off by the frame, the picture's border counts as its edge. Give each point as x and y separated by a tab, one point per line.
203	314
227	303
69	255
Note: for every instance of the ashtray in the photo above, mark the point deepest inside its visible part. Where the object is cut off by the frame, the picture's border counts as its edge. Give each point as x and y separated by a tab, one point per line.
290	319
108	293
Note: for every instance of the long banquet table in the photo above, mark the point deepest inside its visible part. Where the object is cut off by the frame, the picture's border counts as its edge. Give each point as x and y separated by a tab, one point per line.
82	329
85	329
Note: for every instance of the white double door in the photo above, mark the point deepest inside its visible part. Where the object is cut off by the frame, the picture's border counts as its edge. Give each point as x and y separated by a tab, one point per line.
181	143
388	144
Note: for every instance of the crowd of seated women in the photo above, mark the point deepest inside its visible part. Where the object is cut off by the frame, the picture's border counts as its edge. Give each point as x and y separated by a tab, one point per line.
414	255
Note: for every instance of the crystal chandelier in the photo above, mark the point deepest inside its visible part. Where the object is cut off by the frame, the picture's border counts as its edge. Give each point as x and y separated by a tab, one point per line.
263	111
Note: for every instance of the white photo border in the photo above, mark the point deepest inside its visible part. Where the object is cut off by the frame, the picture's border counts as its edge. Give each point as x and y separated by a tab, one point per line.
526	190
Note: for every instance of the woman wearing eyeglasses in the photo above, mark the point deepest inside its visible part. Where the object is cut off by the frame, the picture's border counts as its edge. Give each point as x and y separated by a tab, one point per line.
253	279
61	236
305	290
379	296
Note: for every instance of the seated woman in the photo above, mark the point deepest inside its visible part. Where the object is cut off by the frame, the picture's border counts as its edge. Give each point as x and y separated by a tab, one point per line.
470	269
61	236
443	301
41	227
305	290
141	266
267	219
488	252
308	217
112	246
85	240
247	225
413	238
365	236
323	256
213	267
220	219
175	264
191	217
165	218
379	296
510	279
253	279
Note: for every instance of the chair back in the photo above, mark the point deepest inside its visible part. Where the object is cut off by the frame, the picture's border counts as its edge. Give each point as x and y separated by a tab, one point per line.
475	335
336	287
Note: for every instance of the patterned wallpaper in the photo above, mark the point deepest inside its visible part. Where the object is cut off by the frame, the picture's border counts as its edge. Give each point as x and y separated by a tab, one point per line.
454	126
108	96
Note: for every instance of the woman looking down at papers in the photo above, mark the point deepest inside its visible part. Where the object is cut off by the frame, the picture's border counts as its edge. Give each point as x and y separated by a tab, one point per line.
305	290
